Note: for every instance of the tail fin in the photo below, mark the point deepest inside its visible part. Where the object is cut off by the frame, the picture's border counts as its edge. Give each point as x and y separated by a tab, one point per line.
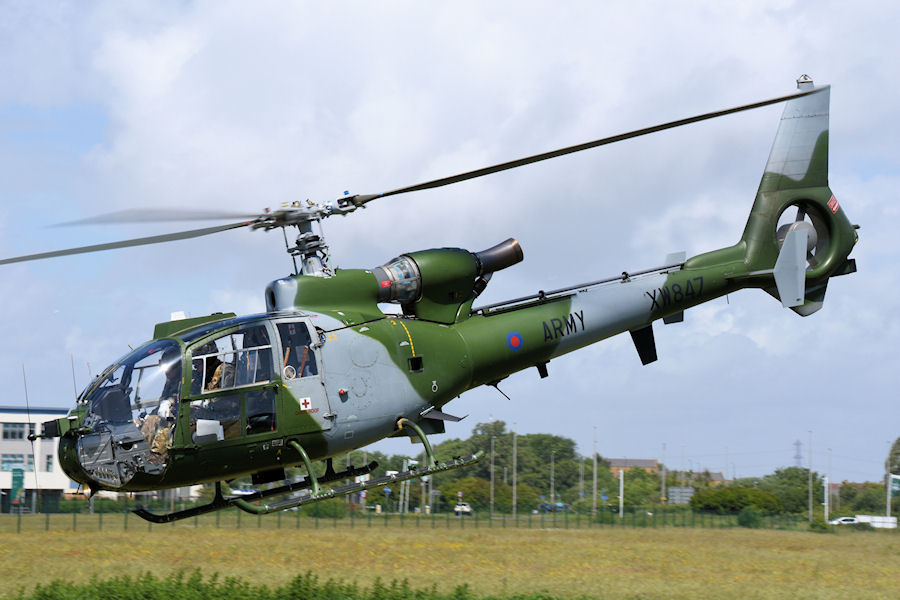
794	207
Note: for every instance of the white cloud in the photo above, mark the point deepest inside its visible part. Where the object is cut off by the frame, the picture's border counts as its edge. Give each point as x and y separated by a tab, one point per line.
241	106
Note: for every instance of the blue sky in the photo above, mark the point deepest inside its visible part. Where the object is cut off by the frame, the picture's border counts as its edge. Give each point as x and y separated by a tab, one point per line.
237	106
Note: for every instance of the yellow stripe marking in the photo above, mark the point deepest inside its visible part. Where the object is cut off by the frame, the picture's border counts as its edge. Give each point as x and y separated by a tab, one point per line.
411	345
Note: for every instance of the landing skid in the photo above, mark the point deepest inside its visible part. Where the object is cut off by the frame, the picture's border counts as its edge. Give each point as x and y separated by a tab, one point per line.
219	501
310	497
310	484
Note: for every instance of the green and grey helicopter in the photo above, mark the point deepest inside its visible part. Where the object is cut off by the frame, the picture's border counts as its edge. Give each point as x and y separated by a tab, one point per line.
325	371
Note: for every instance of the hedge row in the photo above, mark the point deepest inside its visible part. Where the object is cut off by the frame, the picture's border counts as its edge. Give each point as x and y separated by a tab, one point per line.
195	587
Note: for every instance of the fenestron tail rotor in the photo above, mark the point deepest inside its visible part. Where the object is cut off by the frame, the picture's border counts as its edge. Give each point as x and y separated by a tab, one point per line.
310	246
817	231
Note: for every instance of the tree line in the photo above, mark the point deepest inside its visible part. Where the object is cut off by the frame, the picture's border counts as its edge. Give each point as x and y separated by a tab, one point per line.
784	491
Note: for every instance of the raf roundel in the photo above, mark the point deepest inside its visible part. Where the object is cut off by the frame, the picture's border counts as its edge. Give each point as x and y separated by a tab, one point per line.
514	340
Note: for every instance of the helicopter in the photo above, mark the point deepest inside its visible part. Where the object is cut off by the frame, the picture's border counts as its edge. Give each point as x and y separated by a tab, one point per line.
325	370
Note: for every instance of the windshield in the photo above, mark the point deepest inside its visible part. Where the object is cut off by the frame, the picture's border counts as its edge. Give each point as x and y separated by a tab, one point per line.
132	407
147	380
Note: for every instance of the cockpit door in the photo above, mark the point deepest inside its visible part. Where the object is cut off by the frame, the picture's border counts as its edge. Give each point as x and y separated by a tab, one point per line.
300	365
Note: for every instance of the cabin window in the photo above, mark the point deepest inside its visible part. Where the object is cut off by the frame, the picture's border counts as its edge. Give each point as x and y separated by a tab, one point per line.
298	358
260	411
215	419
233	360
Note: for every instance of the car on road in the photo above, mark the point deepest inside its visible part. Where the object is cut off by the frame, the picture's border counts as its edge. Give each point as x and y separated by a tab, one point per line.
844	521
462	509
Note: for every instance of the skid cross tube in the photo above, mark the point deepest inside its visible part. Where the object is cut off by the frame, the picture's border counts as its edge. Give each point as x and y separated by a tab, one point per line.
221	501
343	490
432	462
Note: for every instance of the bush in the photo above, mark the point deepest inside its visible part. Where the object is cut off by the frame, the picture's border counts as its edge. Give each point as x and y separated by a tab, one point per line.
751	517
327	509
727	500
819	525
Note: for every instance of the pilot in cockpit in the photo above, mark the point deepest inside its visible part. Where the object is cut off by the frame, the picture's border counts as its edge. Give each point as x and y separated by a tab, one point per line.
157	427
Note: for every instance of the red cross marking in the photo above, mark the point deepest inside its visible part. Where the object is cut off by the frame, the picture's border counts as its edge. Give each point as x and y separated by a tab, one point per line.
304	404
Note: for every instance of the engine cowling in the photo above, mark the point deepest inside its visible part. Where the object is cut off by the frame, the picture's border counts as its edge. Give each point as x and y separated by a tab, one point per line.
435	284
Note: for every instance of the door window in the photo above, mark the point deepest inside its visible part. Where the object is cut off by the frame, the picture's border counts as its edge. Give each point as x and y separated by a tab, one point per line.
232	360
298	358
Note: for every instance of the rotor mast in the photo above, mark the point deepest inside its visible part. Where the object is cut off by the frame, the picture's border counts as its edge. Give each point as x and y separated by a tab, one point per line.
310	246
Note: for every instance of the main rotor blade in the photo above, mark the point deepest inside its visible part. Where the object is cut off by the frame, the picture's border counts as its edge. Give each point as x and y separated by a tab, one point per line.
156	215
364	198
154	239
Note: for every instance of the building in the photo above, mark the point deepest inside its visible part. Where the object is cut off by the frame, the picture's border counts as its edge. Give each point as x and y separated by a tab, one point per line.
651	465
44	477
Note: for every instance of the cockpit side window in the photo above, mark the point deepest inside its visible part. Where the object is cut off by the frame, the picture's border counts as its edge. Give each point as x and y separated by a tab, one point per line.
232	360
298	359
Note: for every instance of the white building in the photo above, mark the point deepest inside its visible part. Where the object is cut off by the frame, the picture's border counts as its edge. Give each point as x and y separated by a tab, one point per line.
39	460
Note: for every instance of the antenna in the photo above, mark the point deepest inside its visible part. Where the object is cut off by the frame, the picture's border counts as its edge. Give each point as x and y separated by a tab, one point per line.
798	456
74	385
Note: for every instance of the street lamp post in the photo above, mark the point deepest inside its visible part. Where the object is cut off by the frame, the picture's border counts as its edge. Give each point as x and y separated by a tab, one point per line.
492	477
594	503
552	490
514	498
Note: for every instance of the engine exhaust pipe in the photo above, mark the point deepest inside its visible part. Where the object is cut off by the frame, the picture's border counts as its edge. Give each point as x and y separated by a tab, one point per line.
503	255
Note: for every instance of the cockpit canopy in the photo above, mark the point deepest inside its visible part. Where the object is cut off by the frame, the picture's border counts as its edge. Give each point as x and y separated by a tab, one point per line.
208	384
145	381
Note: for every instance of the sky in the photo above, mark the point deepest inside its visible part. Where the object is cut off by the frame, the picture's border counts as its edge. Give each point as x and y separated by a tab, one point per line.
242	106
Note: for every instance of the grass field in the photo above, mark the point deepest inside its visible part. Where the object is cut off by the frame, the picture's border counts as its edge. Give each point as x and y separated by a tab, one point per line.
601	563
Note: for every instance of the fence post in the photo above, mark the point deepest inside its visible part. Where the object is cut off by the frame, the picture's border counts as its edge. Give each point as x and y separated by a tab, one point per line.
46	521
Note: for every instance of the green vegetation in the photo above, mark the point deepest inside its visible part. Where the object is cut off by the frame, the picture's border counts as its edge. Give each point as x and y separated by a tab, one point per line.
750	516
195	587
610	563
734	499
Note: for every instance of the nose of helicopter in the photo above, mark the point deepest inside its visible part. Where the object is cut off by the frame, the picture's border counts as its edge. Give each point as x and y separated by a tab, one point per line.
71	466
